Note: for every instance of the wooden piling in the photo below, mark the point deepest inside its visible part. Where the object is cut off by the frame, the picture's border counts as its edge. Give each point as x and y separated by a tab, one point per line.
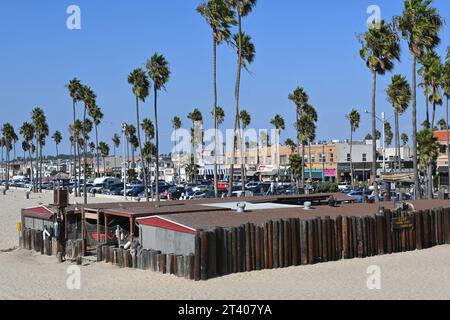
304	250
212	255
275	248
197	257
295	241
204	255
248	242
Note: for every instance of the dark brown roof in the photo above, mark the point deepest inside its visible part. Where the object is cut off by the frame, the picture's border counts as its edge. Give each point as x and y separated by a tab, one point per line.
140	209
228	219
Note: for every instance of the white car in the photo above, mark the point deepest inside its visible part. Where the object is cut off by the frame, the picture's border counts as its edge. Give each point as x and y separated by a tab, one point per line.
197	195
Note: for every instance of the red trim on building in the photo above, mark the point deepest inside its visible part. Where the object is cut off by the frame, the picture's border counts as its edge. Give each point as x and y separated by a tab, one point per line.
159	222
41	212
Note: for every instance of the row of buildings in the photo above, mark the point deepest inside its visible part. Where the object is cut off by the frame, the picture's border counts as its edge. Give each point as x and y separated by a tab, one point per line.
325	161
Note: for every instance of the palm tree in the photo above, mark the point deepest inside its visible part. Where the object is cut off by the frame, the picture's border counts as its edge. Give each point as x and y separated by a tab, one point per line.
93	150
428	149
97	115
9	136
354	118
75	87
245	120
149	132
436	71
176	125
246	55
116	144
130	131
27	132
141	89
292	146
159	72
88	97
278	123
103	148
426	61
197	118
380	48
296	165
419	25
57	138
76	130
300	98
388	134
405	139
220	18
41	128
442	124
399	96
446	91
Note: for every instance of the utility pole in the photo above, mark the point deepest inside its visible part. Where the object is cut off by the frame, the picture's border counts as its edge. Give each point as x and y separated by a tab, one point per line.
125	163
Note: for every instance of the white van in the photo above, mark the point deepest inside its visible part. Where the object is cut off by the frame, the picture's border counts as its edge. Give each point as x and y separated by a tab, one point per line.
104	183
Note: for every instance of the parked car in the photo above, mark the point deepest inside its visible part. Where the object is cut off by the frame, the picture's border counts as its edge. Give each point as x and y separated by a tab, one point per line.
135	190
197	195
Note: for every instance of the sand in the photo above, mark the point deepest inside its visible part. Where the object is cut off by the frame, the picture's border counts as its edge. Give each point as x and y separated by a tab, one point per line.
26	275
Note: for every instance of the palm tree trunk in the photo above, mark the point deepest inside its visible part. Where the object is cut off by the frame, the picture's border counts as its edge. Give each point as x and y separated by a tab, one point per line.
448	142
74	147
7	168
79	168
302	178
144	169
397	141
157	145
41	159
216	189
427	105
351	154
417	193
36	183
310	163
433	116
31	166
374	137
96	153
237	90
84	156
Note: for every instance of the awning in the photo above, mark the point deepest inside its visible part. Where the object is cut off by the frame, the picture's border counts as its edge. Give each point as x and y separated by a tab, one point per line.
210	172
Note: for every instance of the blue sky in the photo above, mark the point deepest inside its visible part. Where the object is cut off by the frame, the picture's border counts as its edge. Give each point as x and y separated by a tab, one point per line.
308	43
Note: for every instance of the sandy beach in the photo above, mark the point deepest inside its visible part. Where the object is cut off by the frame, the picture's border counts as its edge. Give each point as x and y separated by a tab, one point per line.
27	275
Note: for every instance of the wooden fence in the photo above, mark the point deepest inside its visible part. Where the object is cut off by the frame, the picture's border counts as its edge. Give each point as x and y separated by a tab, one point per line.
277	244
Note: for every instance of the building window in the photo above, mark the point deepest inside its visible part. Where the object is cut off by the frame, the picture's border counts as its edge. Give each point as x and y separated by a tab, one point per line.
443	149
313	158
322	158
283	160
331	157
349	158
364	157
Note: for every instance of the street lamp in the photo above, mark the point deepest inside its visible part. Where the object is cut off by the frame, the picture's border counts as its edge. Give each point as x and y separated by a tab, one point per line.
383	134
125	164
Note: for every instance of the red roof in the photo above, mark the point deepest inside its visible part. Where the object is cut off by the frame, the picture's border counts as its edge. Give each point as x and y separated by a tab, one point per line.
441	136
39	212
159	222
